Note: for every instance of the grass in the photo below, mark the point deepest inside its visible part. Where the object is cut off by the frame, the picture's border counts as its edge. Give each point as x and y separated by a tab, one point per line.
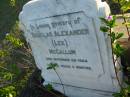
9	14
9	11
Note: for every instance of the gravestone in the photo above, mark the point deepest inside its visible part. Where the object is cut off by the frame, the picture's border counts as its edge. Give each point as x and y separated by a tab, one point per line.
67	32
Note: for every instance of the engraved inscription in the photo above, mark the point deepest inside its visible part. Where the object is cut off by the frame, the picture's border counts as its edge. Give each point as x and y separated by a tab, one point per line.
68	41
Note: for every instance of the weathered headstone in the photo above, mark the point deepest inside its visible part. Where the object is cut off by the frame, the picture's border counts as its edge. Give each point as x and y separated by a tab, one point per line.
67	32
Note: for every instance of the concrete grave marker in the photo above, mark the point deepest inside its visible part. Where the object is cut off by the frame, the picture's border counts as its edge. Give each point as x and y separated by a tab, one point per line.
67	32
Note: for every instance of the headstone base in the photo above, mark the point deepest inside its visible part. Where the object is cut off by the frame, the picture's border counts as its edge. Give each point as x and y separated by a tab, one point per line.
72	91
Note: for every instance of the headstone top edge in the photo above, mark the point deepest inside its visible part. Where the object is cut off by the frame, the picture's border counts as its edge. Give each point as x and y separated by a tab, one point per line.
29	9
